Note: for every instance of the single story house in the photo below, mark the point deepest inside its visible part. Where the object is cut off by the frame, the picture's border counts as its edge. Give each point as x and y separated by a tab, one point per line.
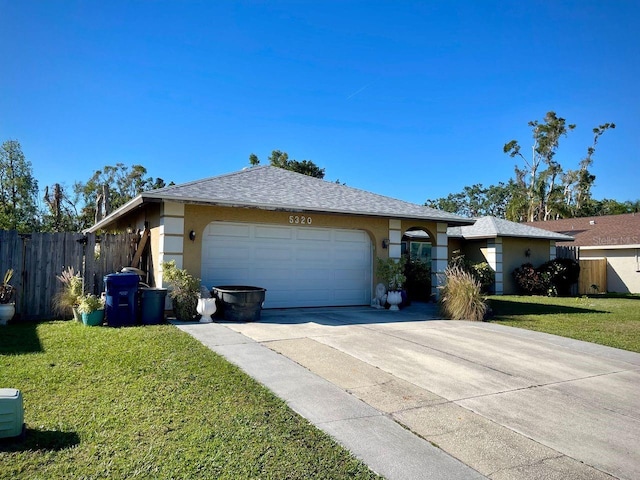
613	238
309	242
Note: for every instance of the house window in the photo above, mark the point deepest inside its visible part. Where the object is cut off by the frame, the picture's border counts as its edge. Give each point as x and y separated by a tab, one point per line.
420	251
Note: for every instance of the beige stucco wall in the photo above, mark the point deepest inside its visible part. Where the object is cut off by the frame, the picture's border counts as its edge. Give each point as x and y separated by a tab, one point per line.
153	219
513	256
622	266
455	247
475	250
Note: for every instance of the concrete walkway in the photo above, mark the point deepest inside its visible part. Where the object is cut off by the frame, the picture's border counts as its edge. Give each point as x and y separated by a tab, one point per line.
481	399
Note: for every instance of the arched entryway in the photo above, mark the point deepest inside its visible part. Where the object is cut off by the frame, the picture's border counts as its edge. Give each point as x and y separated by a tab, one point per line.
417	248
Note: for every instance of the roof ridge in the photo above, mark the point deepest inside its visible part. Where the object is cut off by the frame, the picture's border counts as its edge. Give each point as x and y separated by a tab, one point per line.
361	190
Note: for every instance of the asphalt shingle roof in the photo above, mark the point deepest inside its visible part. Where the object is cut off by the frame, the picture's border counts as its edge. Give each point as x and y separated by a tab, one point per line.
278	189
492	227
605	231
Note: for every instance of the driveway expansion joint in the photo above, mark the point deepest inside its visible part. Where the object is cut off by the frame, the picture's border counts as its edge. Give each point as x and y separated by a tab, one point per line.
532	464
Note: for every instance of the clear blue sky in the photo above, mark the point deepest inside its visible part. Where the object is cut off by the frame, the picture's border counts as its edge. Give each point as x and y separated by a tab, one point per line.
413	100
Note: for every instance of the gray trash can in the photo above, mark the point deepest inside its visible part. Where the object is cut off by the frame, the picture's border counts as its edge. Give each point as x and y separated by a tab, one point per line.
152	305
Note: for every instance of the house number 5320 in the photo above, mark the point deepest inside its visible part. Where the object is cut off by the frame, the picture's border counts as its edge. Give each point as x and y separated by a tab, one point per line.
297	219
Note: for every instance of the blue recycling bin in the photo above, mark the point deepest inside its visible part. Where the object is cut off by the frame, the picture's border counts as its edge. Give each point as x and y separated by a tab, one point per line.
121	308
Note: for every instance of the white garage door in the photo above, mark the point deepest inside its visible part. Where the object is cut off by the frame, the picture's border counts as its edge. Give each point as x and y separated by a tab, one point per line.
300	266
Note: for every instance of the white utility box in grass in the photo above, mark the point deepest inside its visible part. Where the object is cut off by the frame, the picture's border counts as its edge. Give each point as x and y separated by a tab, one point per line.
11	413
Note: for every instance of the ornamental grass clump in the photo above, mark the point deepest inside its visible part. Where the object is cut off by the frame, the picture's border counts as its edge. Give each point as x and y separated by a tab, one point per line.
461	297
6	290
65	300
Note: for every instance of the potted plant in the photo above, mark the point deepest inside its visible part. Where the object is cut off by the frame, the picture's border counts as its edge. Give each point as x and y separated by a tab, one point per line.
91	307
7	308
391	272
68	299
185	290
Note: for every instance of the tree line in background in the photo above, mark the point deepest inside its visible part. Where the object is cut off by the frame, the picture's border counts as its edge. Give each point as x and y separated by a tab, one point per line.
63	209
281	159
541	189
75	208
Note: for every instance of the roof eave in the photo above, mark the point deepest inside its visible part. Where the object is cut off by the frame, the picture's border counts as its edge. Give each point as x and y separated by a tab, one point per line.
610	247
454	221
113	216
533	237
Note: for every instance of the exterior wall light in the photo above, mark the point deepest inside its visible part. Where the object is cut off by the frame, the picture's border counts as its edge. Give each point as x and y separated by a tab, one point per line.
385	243
527	252
192	235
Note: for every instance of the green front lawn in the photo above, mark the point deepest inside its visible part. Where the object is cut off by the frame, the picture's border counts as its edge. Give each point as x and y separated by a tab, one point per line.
150	402
607	320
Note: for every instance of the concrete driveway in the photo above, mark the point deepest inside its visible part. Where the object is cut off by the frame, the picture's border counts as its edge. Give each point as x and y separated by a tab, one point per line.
503	402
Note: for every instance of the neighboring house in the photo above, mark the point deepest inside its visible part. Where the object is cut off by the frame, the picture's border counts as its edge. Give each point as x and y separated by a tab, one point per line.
309	242
615	238
505	246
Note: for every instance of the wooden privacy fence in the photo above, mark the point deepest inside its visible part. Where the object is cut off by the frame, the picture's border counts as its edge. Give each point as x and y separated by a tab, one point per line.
568	252
593	272
37	258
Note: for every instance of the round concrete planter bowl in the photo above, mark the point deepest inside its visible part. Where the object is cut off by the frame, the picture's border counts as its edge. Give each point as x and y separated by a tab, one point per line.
240	303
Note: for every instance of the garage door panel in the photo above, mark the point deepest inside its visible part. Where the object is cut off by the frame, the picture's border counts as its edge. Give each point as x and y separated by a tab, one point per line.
311	234
350	274
298	265
278	233
269	253
313	275
280	298
230	230
231	253
227	276
316	255
357	236
272	274
313	297
353	297
351	257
